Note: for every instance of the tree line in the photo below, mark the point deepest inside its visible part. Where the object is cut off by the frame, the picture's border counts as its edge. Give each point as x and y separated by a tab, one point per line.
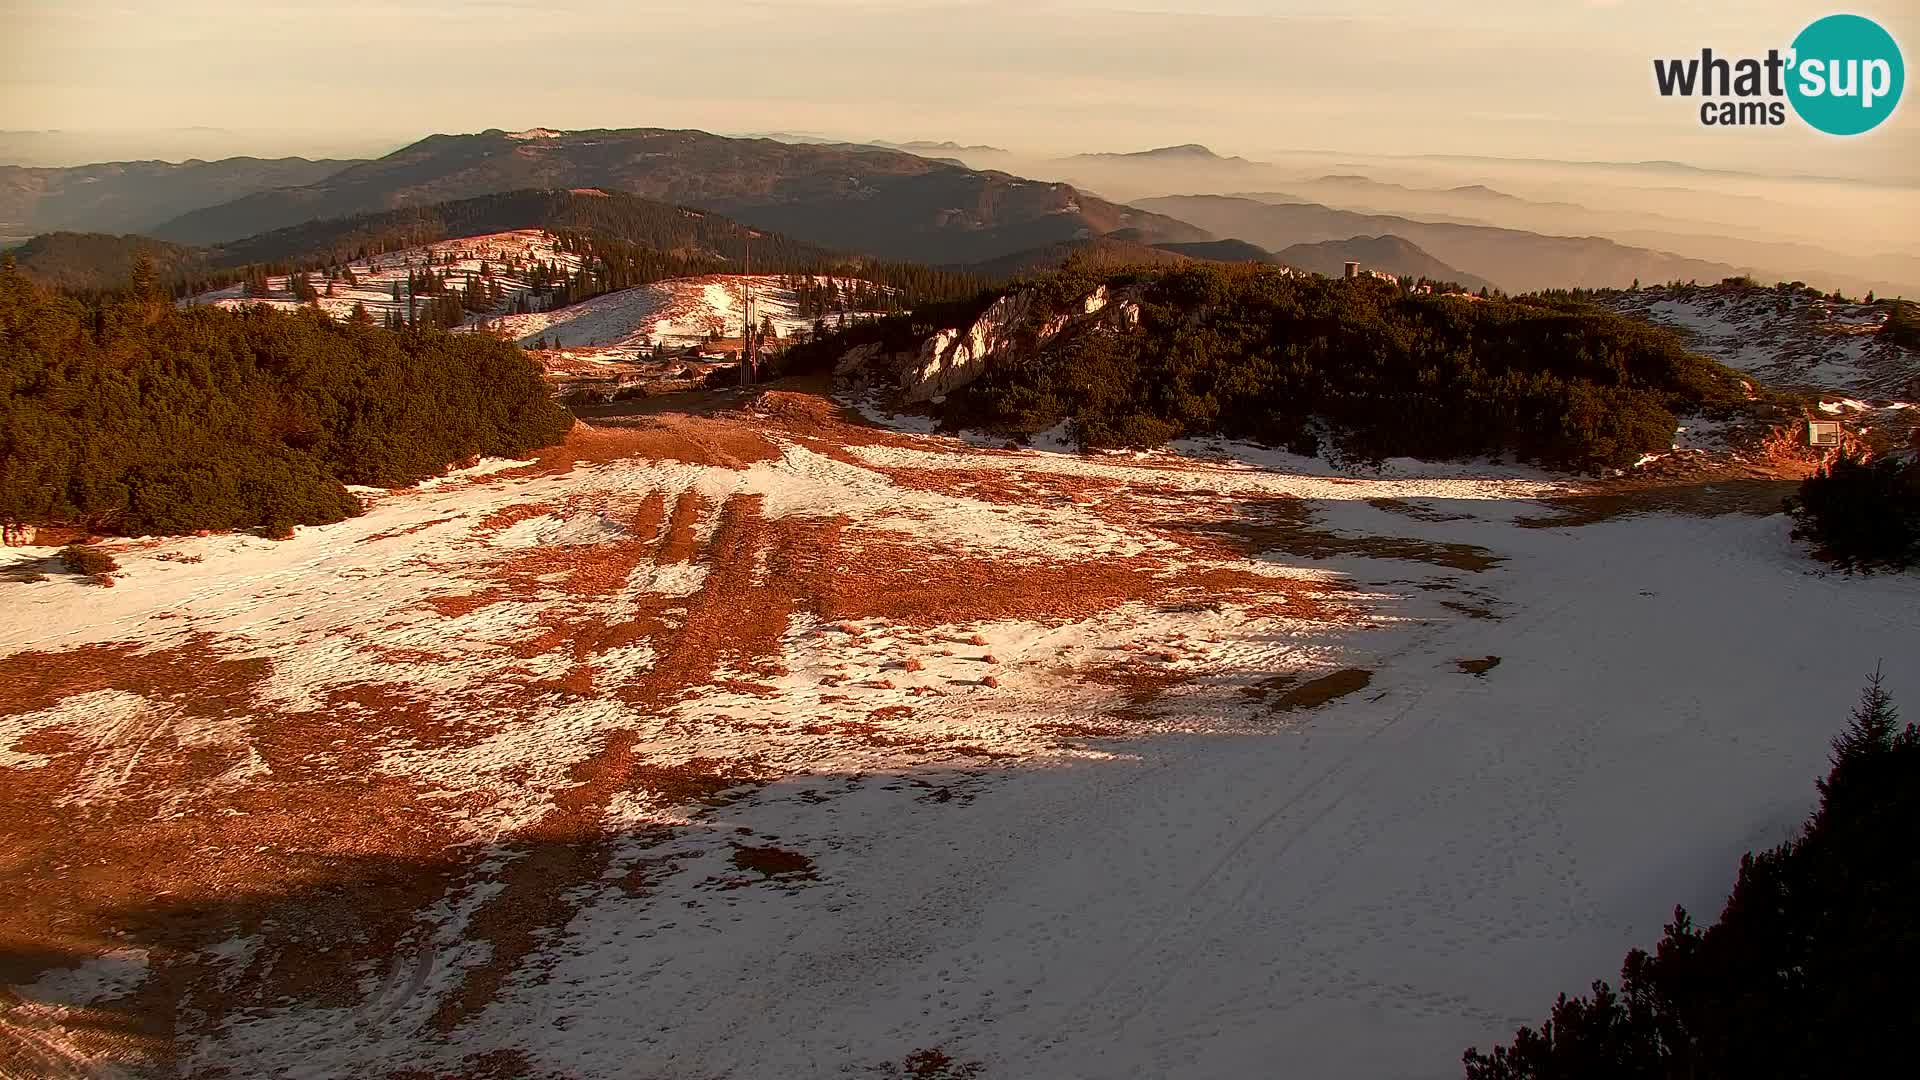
1861	514
1808	971
126	414
1356	369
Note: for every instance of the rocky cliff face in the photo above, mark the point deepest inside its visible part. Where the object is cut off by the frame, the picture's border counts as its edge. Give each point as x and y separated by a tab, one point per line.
953	357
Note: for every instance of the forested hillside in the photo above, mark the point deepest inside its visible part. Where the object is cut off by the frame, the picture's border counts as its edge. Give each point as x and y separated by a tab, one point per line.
130	416
1355	369
622	241
1098	251
98	262
657	226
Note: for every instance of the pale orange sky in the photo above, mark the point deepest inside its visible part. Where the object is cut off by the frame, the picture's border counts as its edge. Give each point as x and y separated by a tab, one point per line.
1568	80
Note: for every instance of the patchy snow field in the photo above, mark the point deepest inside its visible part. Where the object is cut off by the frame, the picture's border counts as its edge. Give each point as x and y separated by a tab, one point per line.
767	742
1793	341
376	277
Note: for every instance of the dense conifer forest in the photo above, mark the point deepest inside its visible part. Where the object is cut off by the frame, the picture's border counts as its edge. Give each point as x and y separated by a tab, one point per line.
1355	368
95	263
128	415
1808	972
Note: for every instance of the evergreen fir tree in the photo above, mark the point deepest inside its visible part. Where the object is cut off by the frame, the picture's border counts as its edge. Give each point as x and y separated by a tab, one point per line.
145	282
1871	728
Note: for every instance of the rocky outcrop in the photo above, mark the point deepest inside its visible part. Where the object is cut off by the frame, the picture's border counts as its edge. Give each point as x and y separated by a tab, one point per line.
954	357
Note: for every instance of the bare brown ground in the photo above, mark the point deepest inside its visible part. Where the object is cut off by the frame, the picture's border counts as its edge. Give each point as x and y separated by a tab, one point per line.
506	518
329	863
1285	693
1142	684
891	578
408	531
932	1063
678	545
1416	511
1000	486
1736	495
814	566
696	440
1471	610
726	620
773	862
1285	525
332	870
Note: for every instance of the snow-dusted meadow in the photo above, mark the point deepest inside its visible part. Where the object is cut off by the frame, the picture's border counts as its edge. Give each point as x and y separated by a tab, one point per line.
376	277
1792	341
774	743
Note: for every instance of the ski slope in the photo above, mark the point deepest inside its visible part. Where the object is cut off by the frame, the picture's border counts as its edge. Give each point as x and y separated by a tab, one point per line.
673	313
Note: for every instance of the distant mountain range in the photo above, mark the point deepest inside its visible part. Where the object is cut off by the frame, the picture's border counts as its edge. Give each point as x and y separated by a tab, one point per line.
135	196
1512	259
910	201
879	201
922	146
1186	153
916	146
1465	194
1768	256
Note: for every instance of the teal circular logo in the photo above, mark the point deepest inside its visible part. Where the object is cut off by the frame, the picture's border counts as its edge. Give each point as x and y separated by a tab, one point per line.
1847	75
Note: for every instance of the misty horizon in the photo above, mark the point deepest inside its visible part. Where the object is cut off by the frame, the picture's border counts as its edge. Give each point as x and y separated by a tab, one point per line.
1374	77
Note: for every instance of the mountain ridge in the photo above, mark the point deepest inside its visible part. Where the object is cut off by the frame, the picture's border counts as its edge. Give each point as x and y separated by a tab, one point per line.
136	196
874	200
